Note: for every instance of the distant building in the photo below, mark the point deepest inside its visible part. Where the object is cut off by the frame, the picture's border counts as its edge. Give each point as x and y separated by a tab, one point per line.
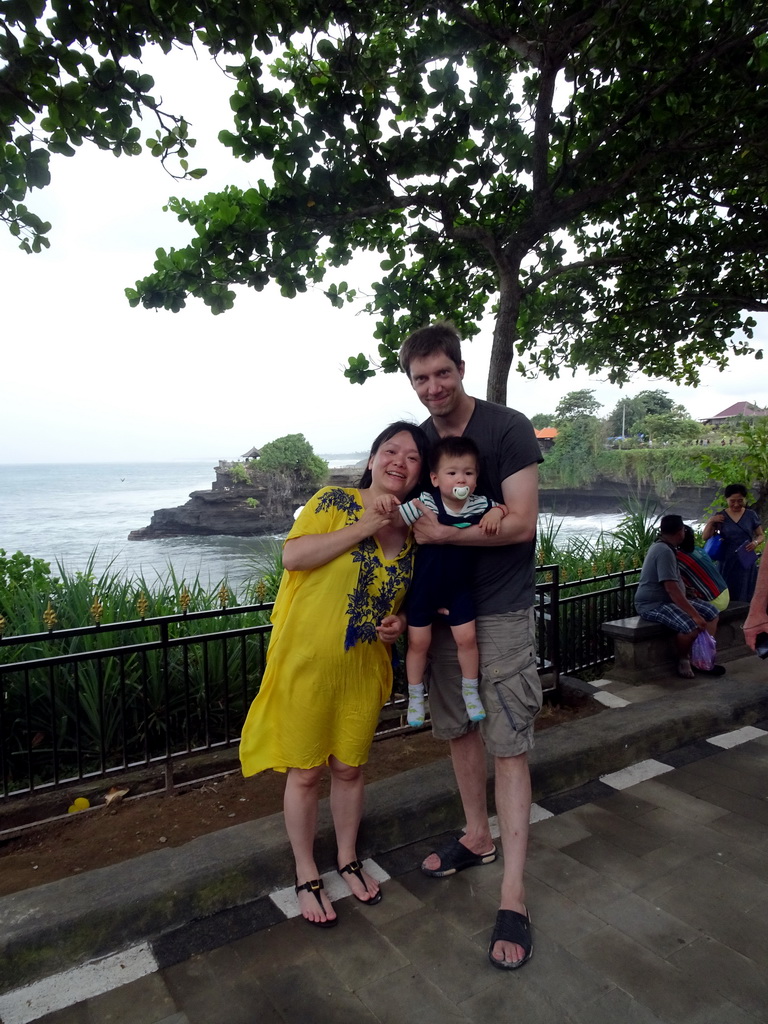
734	412
252	453
546	437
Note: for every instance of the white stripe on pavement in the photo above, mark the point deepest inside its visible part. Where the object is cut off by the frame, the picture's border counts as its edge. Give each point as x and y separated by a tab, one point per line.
727	740
62	990
634	773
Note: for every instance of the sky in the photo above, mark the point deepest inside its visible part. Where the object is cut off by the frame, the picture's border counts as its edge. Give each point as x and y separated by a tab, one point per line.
85	378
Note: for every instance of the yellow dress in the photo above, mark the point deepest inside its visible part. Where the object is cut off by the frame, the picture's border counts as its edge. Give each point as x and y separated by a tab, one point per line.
328	675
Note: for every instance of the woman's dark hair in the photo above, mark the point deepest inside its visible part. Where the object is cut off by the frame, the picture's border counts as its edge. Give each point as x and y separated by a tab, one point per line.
420	439
735	489
689	541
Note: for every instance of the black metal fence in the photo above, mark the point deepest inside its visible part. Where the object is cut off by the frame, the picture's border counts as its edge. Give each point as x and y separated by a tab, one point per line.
571	619
96	701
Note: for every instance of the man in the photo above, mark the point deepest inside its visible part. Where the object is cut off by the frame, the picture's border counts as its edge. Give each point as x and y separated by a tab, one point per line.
660	596
503	592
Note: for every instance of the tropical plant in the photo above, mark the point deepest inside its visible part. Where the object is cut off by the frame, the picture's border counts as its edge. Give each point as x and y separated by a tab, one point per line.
238	472
146	700
20	572
639	527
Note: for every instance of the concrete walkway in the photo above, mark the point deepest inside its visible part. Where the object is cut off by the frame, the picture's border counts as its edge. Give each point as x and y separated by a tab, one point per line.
647	884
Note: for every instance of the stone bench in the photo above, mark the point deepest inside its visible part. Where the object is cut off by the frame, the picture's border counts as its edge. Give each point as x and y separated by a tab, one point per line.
644	650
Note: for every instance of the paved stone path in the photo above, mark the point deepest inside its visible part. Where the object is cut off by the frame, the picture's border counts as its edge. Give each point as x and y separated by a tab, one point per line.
648	893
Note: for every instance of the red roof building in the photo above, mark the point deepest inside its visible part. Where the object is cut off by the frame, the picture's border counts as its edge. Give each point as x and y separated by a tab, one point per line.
734	411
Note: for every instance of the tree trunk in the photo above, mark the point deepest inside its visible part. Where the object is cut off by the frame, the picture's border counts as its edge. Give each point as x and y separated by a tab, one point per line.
504	335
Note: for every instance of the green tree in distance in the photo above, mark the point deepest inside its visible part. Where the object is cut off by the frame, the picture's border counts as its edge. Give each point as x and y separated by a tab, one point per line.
630	411
577	405
543	419
670	427
593	176
292	454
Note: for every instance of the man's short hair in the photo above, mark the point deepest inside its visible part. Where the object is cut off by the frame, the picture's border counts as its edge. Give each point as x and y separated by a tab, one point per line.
671	524
439	337
453	448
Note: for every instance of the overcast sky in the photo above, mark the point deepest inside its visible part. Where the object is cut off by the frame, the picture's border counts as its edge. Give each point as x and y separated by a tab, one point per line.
85	378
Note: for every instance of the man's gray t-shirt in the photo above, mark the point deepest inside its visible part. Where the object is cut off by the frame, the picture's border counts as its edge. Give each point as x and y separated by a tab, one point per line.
503	576
660	564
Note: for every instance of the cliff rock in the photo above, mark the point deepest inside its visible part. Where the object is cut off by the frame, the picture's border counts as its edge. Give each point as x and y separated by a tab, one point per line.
242	502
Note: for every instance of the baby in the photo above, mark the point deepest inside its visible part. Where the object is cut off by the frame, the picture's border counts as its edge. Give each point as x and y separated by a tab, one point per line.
442	578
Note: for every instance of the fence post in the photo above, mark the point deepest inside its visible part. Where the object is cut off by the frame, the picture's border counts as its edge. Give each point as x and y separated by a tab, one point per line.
554	624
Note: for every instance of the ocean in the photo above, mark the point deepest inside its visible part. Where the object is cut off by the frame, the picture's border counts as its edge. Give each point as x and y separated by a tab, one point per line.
66	513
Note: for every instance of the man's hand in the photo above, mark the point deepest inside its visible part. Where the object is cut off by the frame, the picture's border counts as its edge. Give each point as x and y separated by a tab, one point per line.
427	529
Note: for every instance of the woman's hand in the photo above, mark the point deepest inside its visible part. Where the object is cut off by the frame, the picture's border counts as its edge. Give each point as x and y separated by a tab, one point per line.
711	525
392	626
375	517
386	503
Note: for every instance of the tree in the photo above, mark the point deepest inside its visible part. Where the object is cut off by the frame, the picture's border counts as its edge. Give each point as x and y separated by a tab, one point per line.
748	464
577	405
292	454
572	460
670	427
594	176
542	420
630	411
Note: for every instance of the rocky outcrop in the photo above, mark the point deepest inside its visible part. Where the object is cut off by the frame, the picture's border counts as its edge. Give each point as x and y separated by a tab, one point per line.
242	502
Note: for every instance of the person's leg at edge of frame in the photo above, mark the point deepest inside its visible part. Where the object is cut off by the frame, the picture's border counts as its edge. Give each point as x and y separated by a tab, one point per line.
469	767
513	805
300	810
449	721
346	800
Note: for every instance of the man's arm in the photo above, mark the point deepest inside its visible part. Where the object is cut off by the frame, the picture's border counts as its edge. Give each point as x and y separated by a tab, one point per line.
677	596
757	617
521	496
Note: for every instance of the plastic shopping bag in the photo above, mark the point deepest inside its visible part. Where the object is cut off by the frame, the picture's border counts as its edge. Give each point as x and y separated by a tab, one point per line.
713	546
703	651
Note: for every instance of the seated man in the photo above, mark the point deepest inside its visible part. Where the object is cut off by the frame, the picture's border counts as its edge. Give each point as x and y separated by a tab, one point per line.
661	596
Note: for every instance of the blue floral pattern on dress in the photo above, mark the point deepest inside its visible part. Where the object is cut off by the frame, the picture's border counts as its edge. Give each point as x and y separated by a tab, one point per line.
373	598
335	497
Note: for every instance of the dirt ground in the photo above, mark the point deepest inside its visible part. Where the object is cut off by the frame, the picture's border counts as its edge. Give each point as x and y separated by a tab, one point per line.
109	834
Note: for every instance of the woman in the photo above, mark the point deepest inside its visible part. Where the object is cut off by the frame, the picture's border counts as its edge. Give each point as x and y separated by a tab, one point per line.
741	533
329	668
699	574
